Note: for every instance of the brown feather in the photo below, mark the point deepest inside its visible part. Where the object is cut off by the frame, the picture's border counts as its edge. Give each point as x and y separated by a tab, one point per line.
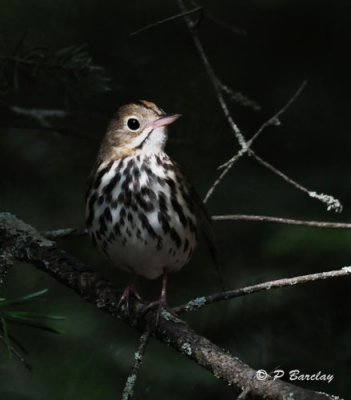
205	226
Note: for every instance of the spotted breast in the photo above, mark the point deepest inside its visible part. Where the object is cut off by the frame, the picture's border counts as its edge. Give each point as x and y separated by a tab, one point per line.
140	214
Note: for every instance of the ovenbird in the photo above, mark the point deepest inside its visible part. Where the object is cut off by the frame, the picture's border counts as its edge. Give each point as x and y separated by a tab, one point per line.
140	210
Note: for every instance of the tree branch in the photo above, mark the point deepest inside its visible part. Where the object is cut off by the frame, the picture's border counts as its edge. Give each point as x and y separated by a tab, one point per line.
25	244
245	145
40	119
200	302
331	202
275	119
128	390
13	351
61	131
168	19
63	233
212	75
280	220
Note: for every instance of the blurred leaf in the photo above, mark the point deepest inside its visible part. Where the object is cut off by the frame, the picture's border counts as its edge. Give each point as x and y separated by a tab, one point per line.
27	318
31	316
23	299
32	324
6	336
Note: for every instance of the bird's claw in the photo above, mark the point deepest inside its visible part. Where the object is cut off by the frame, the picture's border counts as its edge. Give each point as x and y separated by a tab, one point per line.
129	291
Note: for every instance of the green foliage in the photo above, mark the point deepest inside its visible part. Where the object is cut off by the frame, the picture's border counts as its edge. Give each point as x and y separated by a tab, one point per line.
71	67
31	319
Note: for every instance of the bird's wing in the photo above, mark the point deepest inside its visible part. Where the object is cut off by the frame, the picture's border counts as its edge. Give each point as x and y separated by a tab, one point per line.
205	226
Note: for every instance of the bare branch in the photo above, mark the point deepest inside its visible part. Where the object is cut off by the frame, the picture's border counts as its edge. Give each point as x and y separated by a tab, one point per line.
220	22
212	75
62	131
25	244
234	159
63	233
200	302
220	88
225	25
128	390
40	115
15	352
331	202
162	21
280	220
243	394
245	146
39	119
239	98
275	119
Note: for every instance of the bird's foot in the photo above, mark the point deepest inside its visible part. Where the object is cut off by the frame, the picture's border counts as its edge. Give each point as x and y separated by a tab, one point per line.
162	309
160	304
128	292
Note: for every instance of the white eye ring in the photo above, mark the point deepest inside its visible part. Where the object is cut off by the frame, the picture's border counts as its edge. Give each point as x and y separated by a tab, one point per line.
133	123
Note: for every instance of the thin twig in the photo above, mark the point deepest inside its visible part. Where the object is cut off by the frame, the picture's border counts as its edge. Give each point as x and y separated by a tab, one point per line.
225	25
40	115
162	21
279	173
246	149
243	394
279	220
275	119
239	98
217	85
209	193
128	390
331	202
245	146
63	233
200	302
38	119
61	131
15	352
212	75
220	22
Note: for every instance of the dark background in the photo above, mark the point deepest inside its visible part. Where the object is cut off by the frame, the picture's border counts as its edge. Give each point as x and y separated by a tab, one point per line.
43	176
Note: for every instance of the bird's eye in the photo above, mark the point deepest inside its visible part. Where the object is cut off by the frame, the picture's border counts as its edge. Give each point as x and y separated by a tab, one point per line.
133	124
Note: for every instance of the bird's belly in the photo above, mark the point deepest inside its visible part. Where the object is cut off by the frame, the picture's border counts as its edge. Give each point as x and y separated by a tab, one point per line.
143	247
145	258
143	225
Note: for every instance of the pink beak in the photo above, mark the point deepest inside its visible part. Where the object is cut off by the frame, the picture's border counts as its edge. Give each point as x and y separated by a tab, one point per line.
165	120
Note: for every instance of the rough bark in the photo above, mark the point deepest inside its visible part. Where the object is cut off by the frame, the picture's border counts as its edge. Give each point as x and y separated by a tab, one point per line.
20	241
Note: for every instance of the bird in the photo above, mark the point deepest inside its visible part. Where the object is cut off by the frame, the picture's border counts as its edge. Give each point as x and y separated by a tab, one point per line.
141	211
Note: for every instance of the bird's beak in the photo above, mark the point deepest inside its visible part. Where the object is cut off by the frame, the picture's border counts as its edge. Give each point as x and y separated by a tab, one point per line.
164	120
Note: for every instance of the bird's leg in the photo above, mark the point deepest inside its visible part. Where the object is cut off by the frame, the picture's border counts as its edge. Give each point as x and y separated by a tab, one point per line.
129	291
162	301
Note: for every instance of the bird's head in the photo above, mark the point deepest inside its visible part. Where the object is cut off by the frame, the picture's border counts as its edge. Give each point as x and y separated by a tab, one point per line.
137	128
